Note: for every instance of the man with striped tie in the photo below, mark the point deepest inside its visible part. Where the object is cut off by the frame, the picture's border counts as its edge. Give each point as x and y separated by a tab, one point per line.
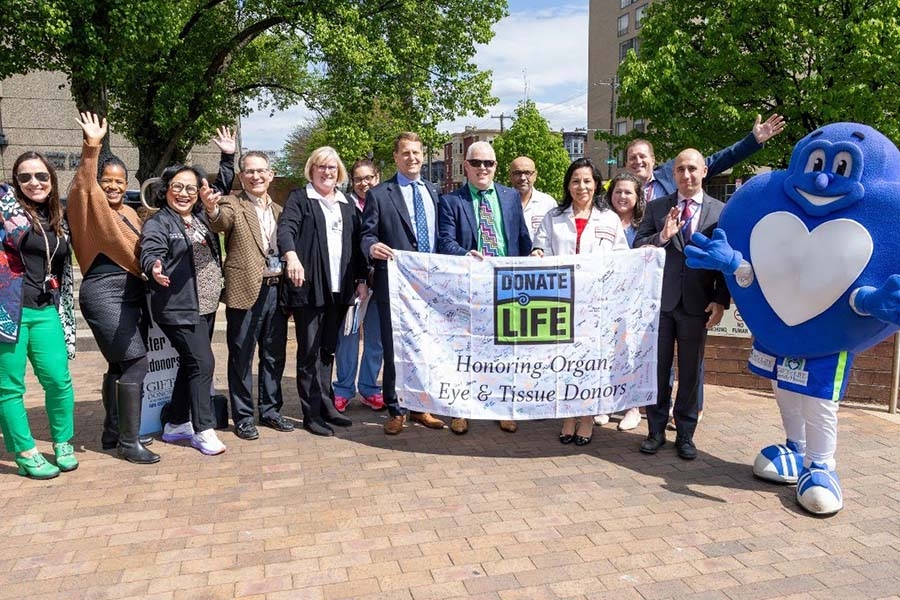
482	219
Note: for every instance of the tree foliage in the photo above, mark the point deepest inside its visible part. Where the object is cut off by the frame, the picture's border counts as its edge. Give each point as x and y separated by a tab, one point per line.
530	136
705	69
167	72
355	136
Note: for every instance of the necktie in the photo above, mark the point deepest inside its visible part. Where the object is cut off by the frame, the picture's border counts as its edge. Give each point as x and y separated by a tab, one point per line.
424	242
687	214
489	245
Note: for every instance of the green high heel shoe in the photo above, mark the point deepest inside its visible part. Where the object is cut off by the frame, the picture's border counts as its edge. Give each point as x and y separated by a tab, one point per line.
36	467
65	457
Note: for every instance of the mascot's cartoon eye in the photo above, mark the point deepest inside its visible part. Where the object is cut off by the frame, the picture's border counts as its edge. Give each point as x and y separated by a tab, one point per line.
843	164
816	161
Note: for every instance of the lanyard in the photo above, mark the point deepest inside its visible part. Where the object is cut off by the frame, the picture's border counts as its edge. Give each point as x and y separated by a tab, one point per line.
48	276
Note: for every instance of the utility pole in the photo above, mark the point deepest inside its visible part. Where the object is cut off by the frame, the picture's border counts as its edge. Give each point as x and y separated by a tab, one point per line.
502	116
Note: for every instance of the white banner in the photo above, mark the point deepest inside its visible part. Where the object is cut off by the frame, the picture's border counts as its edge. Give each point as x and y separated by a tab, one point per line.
160	379
526	338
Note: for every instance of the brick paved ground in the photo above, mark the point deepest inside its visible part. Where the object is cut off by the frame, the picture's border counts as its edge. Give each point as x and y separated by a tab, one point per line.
429	515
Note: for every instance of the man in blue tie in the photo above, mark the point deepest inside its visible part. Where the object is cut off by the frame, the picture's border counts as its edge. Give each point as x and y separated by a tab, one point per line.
482	219
400	214
693	300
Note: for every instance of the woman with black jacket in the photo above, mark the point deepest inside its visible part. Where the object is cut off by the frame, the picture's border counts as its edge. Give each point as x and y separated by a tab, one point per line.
181	257
319	236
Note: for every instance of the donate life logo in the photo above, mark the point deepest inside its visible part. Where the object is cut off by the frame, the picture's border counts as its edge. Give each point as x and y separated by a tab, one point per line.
533	305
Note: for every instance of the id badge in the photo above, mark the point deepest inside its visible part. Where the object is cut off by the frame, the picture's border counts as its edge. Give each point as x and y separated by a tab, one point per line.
274	264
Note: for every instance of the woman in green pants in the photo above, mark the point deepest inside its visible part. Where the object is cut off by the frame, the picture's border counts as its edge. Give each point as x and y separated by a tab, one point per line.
36	314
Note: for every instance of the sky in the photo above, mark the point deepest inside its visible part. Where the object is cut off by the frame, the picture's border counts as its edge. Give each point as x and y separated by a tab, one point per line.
539	51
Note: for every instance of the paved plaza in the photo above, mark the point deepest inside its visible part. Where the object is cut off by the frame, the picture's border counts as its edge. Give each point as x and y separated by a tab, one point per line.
431	515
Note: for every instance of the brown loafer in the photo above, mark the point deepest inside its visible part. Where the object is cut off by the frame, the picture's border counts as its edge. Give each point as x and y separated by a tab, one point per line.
508	426
427	420
394	425
459	426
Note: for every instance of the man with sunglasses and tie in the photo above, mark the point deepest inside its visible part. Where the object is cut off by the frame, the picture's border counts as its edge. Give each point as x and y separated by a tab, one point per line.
482	219
693	300
399	214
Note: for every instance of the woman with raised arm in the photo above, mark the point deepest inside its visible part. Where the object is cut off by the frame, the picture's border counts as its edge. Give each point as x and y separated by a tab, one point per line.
112	297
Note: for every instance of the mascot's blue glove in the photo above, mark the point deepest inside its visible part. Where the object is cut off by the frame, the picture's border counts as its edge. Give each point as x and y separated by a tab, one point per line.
882	303
712	253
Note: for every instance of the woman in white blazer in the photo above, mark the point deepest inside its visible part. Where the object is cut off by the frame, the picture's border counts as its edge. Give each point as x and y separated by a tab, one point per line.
580	225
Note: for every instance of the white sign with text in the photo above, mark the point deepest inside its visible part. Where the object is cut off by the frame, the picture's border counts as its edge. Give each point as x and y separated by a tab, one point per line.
526	338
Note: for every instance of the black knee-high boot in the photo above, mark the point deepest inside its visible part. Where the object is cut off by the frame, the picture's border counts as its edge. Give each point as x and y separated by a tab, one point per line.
109	439
129	406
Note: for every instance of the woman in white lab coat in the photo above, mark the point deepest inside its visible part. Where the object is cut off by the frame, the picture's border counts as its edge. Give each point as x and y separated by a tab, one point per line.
580	225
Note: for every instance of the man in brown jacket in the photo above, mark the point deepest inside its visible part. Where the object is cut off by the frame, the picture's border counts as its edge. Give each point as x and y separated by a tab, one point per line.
252	275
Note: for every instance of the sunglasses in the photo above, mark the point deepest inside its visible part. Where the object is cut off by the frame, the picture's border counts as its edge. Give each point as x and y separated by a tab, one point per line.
41	176
477	163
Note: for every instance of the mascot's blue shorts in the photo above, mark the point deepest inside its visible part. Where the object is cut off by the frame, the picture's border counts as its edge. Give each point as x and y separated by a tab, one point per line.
823	377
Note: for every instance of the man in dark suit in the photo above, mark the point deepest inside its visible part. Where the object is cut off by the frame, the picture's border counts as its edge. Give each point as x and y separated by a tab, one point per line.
482	219
693	300
400	214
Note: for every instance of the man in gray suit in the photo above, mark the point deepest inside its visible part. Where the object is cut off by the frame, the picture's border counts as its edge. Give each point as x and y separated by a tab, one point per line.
400	214
693	300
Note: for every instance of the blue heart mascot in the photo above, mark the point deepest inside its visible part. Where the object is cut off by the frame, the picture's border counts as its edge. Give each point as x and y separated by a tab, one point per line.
811	258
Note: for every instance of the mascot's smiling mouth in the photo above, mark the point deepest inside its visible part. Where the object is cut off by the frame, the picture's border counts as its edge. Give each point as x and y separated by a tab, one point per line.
818	200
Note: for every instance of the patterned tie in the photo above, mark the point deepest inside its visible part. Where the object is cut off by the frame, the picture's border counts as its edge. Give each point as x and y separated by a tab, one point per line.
424	243
686	215
489	245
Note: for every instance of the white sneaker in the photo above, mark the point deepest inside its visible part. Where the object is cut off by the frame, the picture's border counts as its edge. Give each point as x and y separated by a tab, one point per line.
631	419
601	420
208	442
176	433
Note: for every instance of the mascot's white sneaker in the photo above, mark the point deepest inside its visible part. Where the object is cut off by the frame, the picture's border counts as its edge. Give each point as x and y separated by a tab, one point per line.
780	463
819	490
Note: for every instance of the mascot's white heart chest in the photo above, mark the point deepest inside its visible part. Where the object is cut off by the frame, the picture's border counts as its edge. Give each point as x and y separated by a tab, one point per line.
801	272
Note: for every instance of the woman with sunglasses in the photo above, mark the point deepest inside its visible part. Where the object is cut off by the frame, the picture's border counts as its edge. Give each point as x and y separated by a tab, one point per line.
105	235
180	256
37	315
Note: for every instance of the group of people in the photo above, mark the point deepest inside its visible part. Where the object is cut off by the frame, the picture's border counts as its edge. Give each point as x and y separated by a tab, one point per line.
323	252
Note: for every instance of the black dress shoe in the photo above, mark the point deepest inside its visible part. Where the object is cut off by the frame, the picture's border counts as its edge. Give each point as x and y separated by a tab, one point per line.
580	440
318	426
685	448
246	430
654	442
278	423
337	419
566	438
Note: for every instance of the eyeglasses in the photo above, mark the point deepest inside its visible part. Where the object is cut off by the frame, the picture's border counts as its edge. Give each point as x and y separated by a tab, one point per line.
41	176
179	187
253	172
327	168
488	164
366	179
522	173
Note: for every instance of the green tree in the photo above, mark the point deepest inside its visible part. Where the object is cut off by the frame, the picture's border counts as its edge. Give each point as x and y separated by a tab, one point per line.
705	69
167	72
530	136
356	136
